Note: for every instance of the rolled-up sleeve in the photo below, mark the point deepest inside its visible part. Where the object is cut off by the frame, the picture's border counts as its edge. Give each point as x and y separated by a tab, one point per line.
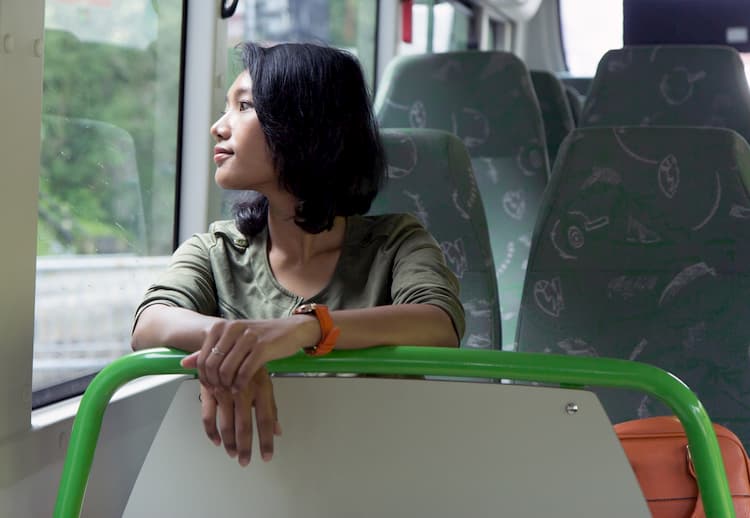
420	275
188	282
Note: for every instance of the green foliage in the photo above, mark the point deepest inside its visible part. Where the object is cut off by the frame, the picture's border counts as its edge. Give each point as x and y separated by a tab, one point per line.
109	134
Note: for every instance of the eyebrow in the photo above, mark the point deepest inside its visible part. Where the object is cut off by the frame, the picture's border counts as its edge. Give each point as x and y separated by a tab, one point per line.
238	92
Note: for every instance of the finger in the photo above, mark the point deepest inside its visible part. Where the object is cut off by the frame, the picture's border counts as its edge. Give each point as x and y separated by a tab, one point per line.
208	415
220	351
276	422
251	364
190	361
243	346
204	355
243	425
264	415
226	421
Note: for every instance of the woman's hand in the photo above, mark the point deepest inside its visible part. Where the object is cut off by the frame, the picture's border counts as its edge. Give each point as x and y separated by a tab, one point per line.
234	350
235	412
231	367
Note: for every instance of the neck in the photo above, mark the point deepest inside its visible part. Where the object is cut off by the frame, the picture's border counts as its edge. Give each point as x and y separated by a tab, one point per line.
294	244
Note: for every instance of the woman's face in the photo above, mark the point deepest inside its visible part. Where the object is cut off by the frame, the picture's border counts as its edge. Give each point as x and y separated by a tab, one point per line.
243	160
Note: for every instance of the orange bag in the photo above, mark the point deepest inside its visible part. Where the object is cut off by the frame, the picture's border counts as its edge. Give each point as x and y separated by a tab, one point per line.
658	452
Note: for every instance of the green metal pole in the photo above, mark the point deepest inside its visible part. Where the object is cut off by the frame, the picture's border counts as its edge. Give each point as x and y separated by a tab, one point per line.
88	421
425	361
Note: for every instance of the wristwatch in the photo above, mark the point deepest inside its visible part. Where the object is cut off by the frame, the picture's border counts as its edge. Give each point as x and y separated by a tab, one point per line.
329	333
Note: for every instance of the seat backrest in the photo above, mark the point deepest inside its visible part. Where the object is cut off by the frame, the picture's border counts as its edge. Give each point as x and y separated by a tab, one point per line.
575	101
678	85
387	447
486	99
580	85
556	111
430	176
642	252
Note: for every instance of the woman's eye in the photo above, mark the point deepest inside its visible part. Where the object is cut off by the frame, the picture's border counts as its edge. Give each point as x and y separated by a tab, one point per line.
246	105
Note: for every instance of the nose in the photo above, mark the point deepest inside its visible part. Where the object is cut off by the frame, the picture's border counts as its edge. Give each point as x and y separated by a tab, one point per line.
220	129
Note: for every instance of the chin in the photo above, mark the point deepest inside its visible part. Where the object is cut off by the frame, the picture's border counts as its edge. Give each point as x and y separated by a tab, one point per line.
226	181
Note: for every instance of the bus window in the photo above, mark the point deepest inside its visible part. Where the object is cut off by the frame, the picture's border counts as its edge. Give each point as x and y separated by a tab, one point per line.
347	24
107	178
592	27
453	28
589	29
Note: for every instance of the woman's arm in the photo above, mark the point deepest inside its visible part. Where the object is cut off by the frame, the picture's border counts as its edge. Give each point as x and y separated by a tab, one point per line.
234	351
161	325
401	324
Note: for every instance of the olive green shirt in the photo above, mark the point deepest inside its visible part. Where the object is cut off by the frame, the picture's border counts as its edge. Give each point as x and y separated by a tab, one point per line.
389	259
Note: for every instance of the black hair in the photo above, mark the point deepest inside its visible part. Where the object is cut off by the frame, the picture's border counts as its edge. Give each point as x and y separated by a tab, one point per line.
314	107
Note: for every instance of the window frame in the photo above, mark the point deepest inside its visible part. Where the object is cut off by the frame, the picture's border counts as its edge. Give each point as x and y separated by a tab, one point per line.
22	23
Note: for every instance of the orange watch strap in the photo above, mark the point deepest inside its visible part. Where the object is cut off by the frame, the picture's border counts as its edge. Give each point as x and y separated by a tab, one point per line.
329	333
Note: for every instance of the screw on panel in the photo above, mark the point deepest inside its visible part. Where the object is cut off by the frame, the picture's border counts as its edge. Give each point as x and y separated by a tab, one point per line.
571	408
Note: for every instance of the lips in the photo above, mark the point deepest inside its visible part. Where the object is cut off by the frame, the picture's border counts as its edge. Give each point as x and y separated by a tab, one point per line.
221	154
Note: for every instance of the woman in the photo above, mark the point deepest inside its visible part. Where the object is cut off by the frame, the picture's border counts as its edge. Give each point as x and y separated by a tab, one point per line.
300	267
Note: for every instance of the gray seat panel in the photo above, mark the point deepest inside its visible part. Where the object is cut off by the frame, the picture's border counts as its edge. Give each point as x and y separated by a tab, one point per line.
671	85
487	100
430	176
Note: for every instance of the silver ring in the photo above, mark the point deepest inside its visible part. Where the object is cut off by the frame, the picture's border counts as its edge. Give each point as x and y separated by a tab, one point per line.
215	350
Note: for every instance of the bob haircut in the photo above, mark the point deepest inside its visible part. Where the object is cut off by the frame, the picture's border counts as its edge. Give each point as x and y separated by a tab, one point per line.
314	108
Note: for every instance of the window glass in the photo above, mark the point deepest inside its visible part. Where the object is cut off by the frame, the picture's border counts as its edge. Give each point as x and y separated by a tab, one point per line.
347	24
592	27
107	182
589	29
452	28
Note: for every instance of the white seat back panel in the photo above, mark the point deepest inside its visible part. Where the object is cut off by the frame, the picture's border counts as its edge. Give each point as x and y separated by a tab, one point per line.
370	447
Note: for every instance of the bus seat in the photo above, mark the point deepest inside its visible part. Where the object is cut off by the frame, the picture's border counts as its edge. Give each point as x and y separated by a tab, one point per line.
580	85
386	447
678	85
430	176
575	101
556	111
486	99
642	252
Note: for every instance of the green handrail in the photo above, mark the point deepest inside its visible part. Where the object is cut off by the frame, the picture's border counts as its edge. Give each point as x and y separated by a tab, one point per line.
421	361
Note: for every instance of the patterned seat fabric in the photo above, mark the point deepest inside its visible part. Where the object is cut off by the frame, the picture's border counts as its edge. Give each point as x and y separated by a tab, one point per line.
430	176
486	99
556	111
670	86
642	252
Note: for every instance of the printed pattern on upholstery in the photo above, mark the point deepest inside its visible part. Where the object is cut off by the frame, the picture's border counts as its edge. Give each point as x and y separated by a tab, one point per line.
642	252
684	85
556	111
430	176
486	99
